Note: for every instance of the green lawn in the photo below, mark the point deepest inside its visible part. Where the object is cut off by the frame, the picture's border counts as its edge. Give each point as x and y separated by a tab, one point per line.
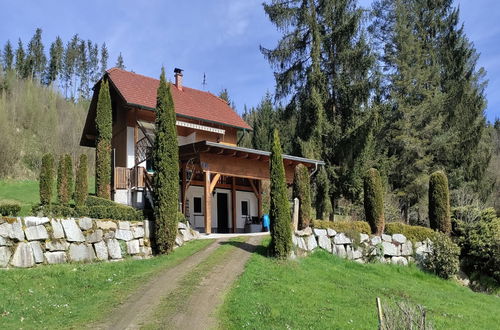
71	295
27	193
325	292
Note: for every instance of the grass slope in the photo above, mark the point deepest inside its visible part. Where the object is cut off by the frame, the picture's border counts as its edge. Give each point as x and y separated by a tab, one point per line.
71	295
324	291
27	193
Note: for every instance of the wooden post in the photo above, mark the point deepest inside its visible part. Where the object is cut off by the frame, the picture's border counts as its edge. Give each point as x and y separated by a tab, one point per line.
259	197
233	203
380	315
208	203
183	188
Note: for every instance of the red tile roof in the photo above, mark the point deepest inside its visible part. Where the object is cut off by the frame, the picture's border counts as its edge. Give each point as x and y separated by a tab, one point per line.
140	91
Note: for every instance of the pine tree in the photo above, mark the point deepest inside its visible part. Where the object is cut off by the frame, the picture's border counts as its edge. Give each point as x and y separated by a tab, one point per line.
20	59
8	56
119	62
439	202
81	184
281	227
68	173
46	180
36	59
103	147
166	169
302	191
62	182
104	58
55	63
374	201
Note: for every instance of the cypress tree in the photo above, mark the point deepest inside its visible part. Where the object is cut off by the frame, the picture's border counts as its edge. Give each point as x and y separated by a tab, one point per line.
324	210
103	148
62	182
374	201
68	173
281	227
81	184
439	202
166	169
46	181
302	190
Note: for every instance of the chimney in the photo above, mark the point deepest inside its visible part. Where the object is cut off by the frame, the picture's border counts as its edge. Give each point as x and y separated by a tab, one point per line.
178	78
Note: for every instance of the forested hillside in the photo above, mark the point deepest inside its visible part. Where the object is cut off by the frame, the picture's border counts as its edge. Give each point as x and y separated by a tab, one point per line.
395	87
44	98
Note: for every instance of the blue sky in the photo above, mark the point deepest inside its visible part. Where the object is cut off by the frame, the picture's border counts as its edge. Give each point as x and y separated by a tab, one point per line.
220	38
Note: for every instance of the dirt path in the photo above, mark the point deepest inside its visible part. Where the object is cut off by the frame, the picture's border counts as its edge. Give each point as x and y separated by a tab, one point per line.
201	306
141	305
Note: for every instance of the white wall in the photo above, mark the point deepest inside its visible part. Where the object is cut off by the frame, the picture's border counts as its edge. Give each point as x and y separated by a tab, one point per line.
130	147
253	207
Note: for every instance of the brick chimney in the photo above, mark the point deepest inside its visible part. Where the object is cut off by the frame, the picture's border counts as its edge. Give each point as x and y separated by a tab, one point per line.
178	78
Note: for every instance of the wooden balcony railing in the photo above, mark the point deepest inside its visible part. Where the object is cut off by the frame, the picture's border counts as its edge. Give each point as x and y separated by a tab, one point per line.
122	178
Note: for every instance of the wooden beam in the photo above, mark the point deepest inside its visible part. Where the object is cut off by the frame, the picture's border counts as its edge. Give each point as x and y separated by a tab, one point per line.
183	188
222	186
214	182
259	198
208	204
255	191
233	203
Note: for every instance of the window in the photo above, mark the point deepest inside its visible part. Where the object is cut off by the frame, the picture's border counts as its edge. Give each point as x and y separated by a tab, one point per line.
244	208
197	205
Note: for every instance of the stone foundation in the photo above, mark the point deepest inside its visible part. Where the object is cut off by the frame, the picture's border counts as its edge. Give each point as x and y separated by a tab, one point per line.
31	241
395	249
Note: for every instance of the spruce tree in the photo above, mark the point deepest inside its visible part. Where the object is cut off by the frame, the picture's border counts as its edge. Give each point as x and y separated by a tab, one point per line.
62	182
119	62
8	56
55	62
20	59
81	184
104	58
46	180
281	227
324	209
302	191
68	170
103	147
374	201
439	202
36	59
166	169
265	121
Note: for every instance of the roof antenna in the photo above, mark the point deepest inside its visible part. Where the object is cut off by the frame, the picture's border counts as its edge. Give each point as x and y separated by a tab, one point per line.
204	82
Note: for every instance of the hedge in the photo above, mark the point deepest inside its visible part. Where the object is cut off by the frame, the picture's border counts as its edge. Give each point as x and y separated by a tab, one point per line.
10	208
413	233
98	201
344	226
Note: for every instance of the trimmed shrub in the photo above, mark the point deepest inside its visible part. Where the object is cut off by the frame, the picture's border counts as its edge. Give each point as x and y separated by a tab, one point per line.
344	226
98	201
62	182
302	191
443	260
81	184
479	240
374	201
54	210
68	172
166	170
10	208
281	227
439	202
46	179
104	126
117	212
413	233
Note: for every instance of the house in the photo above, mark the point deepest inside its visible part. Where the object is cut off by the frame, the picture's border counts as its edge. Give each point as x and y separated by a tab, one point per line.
220	184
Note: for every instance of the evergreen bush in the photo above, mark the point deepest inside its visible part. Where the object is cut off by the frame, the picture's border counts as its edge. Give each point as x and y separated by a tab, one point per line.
413	233
81	184
439	202
344	226
46	180
443	260
374	201
166	170
302	191
9	208
68	172
281	227
62	182
104	124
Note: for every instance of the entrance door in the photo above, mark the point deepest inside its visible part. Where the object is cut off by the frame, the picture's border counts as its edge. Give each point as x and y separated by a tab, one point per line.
222	213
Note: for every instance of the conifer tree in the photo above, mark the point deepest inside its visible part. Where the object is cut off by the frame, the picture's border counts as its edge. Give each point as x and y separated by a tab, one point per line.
324	209
93	62
104	58
46	181
81	184
68	173
103	146
62	182
439	202
374	201
264	124
20	59
166	169
36	59
8	56
281	227
302	191
119	62
55	63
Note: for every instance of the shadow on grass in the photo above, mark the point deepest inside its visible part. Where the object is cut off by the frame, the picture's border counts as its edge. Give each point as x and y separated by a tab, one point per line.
259	248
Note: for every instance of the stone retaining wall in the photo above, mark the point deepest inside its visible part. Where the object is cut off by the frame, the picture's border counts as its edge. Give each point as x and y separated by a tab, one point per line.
30	241
395	249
